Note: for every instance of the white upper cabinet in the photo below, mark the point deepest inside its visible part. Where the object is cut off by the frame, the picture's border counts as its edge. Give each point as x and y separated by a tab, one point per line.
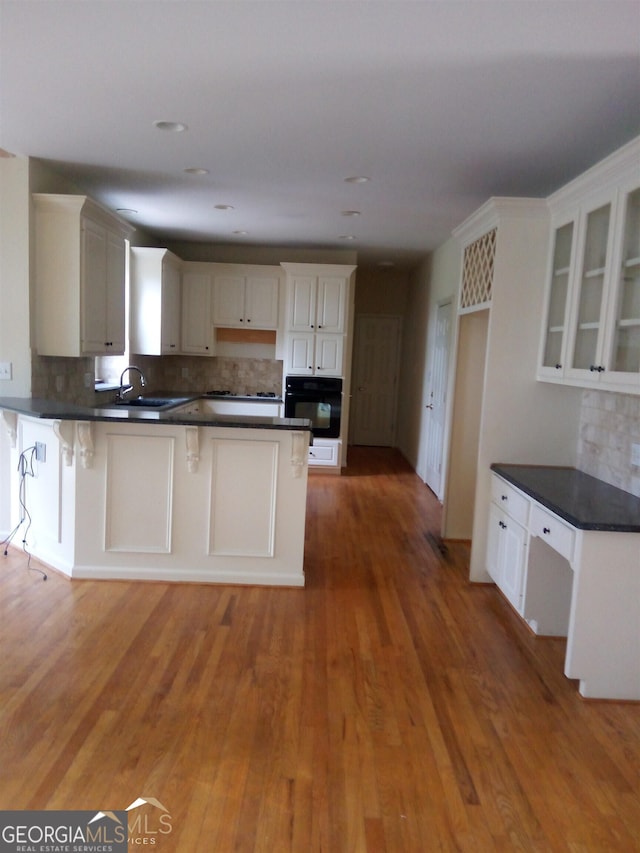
317	303
197	326
80	251
155	302
318	306
591	334
245	297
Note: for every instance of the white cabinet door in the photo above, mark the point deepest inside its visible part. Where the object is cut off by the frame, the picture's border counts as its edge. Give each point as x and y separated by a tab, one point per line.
328	355
94	282
506	554
115	294
228	300
197	329
562	263
302	303
330	303
590	299
246	300
261	301
170	323
300	353
103	295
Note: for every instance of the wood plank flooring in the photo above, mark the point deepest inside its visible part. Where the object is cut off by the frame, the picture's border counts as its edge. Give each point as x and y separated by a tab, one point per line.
389	707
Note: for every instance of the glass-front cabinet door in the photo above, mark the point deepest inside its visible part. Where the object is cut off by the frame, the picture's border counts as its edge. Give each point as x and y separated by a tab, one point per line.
623	345
590	306
557	306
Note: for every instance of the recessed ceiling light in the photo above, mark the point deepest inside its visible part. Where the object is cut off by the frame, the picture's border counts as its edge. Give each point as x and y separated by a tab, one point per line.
350	212
357	179
172	126
196	170
129	210
223	207
347	237
386	264
240	233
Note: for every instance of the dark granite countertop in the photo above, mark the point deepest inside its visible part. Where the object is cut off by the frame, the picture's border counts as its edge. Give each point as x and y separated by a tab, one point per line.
584	501
35	407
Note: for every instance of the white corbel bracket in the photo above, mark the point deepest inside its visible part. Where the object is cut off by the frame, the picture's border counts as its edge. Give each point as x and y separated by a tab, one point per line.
192	439
63	430
84	430
299	454
11	425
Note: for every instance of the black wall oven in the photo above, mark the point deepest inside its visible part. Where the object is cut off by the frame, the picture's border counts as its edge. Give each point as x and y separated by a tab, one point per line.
317	398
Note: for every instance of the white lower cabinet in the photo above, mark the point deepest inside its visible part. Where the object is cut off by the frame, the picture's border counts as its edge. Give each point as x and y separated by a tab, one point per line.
506	554
566	581
325	453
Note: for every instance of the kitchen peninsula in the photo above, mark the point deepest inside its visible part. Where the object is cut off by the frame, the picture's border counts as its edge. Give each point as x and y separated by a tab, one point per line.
174	494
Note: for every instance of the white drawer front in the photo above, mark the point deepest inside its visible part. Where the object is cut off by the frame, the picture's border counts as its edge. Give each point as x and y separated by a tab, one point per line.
556	533
323	454
508	498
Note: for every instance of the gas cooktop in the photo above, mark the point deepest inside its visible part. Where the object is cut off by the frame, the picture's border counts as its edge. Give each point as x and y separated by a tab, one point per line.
216	393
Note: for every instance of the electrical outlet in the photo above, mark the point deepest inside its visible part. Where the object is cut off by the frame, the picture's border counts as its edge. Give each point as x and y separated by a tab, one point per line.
41	451
635	455
89	380
5	369
185	372
59	383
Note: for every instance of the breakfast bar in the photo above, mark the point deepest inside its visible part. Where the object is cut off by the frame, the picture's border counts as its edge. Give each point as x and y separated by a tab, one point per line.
172	493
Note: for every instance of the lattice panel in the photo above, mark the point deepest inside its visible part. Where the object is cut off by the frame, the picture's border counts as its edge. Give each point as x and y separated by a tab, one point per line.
477	273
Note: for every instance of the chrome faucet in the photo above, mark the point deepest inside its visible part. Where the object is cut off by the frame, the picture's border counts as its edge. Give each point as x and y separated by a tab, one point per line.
124	389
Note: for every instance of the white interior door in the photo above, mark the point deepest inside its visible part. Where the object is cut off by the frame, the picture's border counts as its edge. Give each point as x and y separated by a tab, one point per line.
437	401
375	380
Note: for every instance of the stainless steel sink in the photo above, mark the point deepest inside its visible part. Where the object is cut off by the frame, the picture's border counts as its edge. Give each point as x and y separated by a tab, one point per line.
150	402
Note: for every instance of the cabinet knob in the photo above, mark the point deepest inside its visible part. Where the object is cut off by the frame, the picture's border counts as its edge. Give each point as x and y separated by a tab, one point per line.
596	368
502	525
503	497
248	319
319	326
311	326
558	367
546	530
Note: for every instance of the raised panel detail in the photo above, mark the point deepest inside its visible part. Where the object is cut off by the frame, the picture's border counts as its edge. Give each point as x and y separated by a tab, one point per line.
243	498
139	493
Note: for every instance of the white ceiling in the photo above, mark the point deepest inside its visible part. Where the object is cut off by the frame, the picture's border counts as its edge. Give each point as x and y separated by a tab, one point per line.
441	104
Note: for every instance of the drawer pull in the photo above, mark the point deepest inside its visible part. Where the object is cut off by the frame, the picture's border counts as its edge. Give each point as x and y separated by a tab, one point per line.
546	530
502	525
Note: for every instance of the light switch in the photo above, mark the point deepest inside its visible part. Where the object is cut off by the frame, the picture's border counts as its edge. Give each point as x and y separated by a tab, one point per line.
5	369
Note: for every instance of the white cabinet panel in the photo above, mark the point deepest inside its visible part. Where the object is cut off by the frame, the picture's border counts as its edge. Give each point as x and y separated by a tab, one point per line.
139	493
197	325
155	302
79	277
243	498
246	298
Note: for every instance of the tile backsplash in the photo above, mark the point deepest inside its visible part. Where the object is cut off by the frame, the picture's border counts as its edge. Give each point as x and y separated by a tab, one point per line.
609	425
72	379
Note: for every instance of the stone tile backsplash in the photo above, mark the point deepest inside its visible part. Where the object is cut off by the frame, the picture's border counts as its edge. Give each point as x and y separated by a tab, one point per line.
72	379
609	425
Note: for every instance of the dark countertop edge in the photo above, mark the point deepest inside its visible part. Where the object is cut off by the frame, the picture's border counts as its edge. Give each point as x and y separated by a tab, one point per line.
43	409
502	468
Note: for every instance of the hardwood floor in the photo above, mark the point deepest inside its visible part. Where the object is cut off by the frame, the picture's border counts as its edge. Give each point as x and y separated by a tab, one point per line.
388	706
